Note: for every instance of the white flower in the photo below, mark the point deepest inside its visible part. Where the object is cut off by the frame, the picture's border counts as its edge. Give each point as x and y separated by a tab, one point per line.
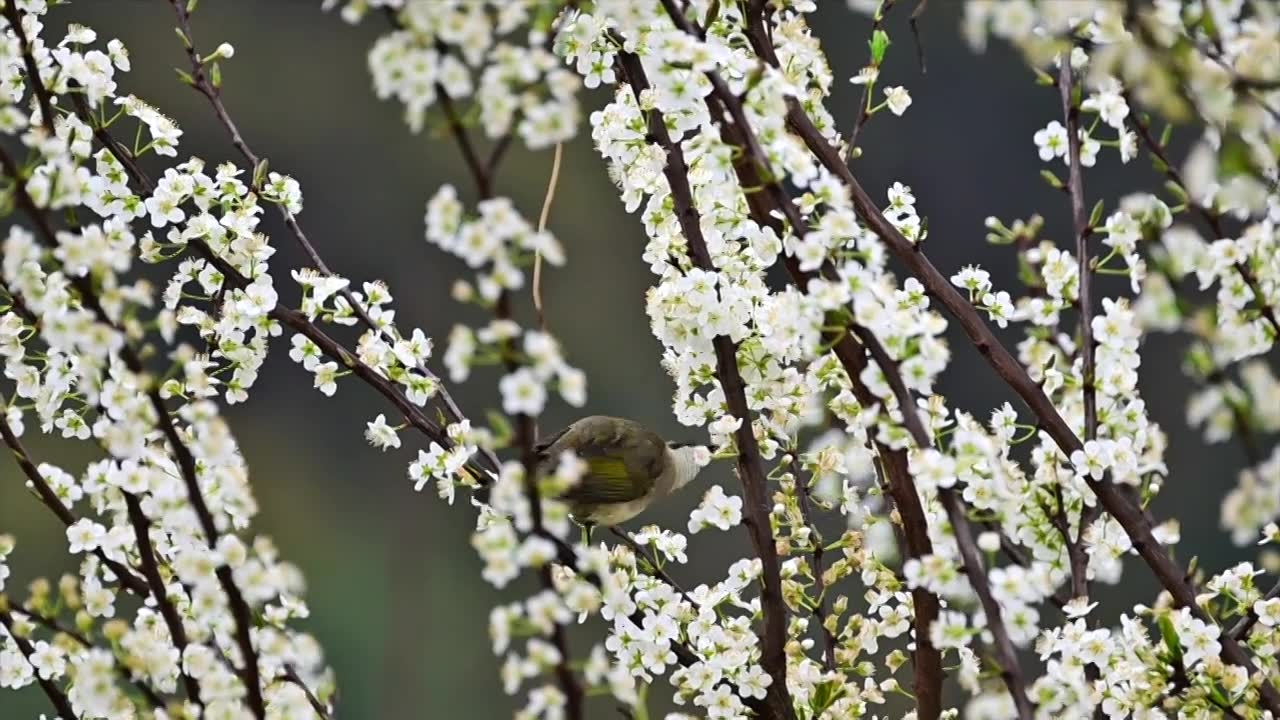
522	393
1052	141
897	98
326	380
84	536
380	434
717	509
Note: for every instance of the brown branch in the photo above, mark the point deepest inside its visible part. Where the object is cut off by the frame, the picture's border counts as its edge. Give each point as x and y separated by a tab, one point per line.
213	94
124	575
33	72
302	325
291	674
1131	517
974	569
1078	558
51	689
526	425
750	472
819	583
1210	215
186	462
752	169
151	569
52	624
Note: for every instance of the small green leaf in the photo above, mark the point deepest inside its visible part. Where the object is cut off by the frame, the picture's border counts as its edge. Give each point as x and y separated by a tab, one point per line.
879	45
191	6
216	74
1170	636
185	76
500	426
1166	135
1052	179
1176	190
1095	217
1044	78
1235	157
186	42
260	173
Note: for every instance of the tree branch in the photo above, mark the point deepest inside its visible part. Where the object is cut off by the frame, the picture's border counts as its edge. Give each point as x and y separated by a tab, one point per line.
1078	558
1131	517
124	575
186	462
750	472
52	624
819	583
51	689
753	171
213	94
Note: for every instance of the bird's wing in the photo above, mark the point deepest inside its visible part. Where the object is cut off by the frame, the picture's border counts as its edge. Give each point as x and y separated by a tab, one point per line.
623	459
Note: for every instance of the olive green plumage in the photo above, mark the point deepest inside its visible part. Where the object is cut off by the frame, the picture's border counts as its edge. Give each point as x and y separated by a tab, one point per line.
628	467
624	459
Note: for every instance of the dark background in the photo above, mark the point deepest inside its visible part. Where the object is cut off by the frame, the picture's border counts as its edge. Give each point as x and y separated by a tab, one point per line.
395	591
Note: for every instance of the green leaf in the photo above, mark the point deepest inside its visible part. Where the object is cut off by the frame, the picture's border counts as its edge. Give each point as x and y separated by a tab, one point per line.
260	173
1166	135
879	45
1176	190
500	426
216	75
185	76
1170	636
1095	217
186	42
1052	179
1235	158
191	6
1044	78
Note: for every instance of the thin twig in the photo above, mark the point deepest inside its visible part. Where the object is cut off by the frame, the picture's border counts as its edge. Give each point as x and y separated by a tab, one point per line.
1241	629
124	575
819	583
33	72
51	689
526	436
542	226
52	624
1079	559
1211	216
159	592
291	674
914	20
213	94
863	114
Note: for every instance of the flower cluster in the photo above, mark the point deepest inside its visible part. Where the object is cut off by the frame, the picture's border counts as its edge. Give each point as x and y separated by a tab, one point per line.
450	52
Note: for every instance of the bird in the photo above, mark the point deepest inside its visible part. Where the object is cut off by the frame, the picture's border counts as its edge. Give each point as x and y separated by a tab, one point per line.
629	467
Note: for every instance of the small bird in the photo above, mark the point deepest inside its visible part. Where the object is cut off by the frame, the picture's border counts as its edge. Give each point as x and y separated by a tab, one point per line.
628	468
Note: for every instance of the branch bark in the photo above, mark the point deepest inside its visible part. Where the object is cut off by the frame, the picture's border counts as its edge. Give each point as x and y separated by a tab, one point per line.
1131	517
51	689
1077	556
750	470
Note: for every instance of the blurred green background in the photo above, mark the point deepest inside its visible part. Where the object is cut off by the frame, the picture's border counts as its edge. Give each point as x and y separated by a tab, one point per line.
395	591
